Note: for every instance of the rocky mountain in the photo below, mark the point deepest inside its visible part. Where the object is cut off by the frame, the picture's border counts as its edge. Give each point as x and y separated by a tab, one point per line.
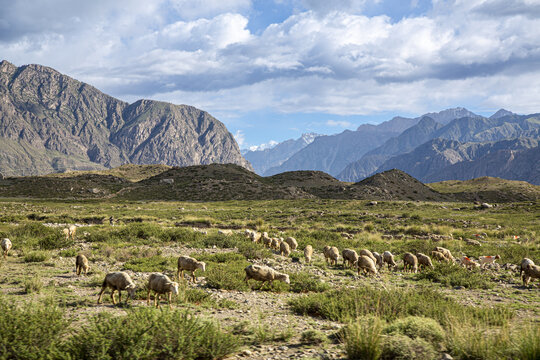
502	125
262	160
50	122
442	159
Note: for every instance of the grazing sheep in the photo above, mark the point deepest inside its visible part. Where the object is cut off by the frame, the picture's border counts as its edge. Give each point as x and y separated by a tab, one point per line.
488	259
118	281
308	253
284	249
379	259
81	264
445	252
424	261
72	231
524	263
189	264
367	265
264	274
267	242
349	257
6	246
389	259
411	262
66	233
292	243
469	263
275	243
531	272
368	253
439	256
331	253
161	284
256	236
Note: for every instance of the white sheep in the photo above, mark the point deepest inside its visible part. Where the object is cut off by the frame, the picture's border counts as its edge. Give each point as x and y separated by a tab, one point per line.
530	272
388	258
256	236
267	242
118	281
445	252
379	258
284	249
349	257
275	243
264	274
410	261
189	264
161	284
523	265
81	264
488	259
72	231
308	253
66	233
439	256
293	244
367	265
424	261
6	246
331	253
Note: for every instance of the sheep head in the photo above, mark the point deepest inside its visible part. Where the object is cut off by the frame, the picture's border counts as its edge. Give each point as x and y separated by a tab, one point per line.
201	265
131	290
174	288
284	278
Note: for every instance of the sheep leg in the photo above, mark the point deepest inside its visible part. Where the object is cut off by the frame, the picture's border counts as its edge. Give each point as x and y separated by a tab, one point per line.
120	296
193	277
100	294
112	296
169	296
148	297
156	300
78	269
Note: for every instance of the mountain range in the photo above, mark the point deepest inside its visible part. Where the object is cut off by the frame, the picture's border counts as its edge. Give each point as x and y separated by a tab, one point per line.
50	122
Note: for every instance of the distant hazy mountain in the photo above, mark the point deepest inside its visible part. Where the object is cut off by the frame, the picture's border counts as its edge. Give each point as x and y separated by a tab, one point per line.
262	160
502	125
442	159
50	122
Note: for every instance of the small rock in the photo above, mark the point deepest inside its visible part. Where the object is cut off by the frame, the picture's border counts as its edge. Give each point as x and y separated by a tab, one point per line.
446	356
246	353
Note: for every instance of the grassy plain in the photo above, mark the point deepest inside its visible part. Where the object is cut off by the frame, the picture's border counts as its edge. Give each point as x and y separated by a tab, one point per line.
326	311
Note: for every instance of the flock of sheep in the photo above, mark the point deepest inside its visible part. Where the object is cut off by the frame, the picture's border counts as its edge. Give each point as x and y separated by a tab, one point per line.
365	261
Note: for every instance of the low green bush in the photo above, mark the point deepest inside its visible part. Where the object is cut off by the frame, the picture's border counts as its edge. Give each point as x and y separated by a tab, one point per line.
313	337
33	284
452	275
304	282
36	256
415	326
156	263
401	347
54	241
363	338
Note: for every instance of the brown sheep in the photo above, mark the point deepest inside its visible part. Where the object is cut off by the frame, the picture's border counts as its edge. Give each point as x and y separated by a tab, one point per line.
439	256
366	264
380	262
189	264
161	284
349	257
275	243
72	231
369	254
388	258
531	272
308	253
411	262
264	274
292	243
81	264
331	253
118	281
424	261
446	253
284	249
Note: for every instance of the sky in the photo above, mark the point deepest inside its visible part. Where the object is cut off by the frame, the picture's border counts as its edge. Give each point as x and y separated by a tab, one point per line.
272	70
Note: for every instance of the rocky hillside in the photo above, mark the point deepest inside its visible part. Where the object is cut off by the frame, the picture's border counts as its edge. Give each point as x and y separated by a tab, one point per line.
503	125
50	122
262	160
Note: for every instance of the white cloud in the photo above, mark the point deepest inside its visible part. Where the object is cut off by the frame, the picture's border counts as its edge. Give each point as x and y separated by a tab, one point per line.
194	9
240	138
264	146
343	124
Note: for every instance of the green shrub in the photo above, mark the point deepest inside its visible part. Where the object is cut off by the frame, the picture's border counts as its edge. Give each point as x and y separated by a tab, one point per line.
149	334
414	326
347	304
313	337
36	256
54	241
304	282
451	275
527	342
156	263
33	285
475	343
401	347
30	330
67	253
363	338
228	276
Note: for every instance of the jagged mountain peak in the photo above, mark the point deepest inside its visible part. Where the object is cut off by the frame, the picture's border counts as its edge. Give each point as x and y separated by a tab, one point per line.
501	113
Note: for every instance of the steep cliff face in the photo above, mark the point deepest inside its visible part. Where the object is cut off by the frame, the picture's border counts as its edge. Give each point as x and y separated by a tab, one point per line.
50	122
